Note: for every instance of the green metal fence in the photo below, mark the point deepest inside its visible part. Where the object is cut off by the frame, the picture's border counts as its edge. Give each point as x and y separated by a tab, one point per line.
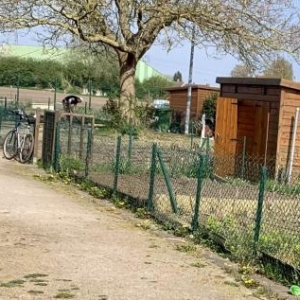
248	213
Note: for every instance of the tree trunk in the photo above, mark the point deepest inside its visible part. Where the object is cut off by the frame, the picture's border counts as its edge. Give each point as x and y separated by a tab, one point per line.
128	63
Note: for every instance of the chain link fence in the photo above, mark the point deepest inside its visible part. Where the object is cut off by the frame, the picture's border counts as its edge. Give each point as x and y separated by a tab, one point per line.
240	203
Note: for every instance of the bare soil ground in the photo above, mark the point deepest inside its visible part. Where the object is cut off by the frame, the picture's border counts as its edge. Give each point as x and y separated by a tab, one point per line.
57	242
43	96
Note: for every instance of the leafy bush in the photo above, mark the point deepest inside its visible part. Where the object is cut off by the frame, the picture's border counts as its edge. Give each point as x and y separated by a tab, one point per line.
152	88
209	106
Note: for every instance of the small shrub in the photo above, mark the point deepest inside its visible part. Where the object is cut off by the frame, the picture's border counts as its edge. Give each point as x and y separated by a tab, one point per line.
142	213
71	165
186	247
93	190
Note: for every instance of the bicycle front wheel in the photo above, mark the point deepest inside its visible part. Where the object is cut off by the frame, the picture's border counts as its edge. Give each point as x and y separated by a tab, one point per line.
10	146
26	149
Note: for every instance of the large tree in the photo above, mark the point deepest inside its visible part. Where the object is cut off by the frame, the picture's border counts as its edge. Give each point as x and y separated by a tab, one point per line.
279	68
251	30
241	70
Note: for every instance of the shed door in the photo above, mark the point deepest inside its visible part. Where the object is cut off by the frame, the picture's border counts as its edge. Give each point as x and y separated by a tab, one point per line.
234	121
252	124
226	126
225	136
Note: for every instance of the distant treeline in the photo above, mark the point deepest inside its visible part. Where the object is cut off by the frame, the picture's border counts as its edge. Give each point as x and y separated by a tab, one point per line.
74	74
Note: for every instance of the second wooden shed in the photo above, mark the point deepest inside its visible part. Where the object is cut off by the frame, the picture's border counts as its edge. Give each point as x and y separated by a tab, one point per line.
256	115
178	98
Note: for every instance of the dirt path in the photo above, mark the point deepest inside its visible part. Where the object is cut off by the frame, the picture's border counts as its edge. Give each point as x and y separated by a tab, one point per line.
56	242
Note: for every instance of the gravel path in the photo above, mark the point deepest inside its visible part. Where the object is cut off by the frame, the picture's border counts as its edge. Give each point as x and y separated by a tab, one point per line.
57	242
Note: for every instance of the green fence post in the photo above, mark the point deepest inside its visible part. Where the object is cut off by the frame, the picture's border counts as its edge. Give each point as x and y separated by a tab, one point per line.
192	134
2	113
263	176
90	93
85	107
243	158
117	164
1	118
70	135
150	206
56	165
168	182
130	146
88	151
18	89
195	221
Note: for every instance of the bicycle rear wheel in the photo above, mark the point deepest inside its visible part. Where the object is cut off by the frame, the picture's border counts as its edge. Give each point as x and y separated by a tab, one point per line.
26	149
10	146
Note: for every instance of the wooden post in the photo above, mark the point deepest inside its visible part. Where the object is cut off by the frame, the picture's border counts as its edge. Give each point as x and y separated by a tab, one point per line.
36	134
92	145
81	137
70	134
57	115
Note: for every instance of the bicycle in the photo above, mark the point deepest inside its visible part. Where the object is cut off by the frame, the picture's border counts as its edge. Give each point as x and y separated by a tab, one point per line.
19	142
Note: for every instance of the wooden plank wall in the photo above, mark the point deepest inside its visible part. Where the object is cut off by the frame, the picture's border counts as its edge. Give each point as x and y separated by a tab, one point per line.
178	100
290	101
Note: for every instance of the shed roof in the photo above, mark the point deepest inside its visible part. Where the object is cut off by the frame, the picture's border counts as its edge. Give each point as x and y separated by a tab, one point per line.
260	81
194	86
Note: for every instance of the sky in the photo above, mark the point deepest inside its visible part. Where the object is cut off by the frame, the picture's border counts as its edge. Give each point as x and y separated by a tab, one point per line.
206	68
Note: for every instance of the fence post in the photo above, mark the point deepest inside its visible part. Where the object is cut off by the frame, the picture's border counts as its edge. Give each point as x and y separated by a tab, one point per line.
18	88
130	146
88	151
49	101
262	182
57	148
81	138
90	93
192	134
243	158
150	206
117	164
1	118
70	134
168	182
195	221
36	134
5	103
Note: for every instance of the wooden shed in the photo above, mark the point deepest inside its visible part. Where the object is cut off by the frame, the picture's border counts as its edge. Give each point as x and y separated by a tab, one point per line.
256	115
178	98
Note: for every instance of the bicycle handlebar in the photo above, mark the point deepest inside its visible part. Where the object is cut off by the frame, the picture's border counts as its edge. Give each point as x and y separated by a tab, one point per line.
23	116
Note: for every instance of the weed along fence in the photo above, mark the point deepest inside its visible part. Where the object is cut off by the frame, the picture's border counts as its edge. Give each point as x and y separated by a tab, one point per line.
179	185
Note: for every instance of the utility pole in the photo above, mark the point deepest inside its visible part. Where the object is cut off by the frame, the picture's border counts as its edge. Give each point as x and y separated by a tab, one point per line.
190	81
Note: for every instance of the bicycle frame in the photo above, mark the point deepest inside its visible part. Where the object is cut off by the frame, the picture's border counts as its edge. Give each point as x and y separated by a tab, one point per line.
21	136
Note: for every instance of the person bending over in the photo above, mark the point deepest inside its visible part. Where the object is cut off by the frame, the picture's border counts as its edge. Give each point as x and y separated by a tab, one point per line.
70	102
